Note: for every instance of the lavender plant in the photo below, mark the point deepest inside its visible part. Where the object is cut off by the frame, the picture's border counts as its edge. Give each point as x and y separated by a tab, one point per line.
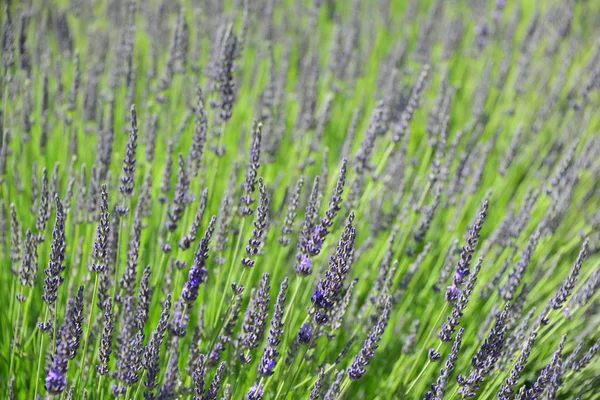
288	200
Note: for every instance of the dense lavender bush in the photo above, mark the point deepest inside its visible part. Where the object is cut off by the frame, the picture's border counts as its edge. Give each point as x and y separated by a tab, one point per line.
261	199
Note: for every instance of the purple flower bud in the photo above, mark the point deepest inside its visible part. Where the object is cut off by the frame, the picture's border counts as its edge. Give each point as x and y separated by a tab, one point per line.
256	392
305	334
362	359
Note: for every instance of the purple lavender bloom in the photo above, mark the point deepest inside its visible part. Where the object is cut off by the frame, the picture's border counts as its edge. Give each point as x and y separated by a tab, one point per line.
190	237
439	388
231	45
199	376
319	299
55	382
44	209
434	355
260	228
545	376
303	257
321	231
56	265
267	368
199	138
128	177
488	355
507	388
329	287
215	385
28	270
482	32
106	339
251	172
568	285
334	390
305	334
198	273
74	320
256	392
56	378
464	262
227	333
255	319
288	225
102	234
151	356
588	356
315	393
305	266
180	320
362	359
453	320
181	195
271	353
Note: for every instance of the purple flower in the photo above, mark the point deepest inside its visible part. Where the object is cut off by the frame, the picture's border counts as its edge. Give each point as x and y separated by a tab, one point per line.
151	356
102	234
56	265
319	300
55	382
329	287
181	196
56	378
305	266
251	172
439	388
305	334
458	308
106	339
464	262
198	273
568	285
260	228
362	359
288	225
271	353
256	392
128	176
255	319
225	336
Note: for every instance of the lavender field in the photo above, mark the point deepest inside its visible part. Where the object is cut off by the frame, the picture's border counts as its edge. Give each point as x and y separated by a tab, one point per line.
294	199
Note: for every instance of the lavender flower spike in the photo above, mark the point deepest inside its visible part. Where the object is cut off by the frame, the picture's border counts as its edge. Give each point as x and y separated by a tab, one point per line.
128	177
198	273
151	356
260	228
57	257
328	289
271	353
106	339
466	254
357	369
255	319
322	230
439	388
568	285
256	392
251	171
102	234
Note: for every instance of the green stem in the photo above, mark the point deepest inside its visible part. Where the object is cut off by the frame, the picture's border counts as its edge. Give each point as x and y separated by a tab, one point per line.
39	367
87	337
229	273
